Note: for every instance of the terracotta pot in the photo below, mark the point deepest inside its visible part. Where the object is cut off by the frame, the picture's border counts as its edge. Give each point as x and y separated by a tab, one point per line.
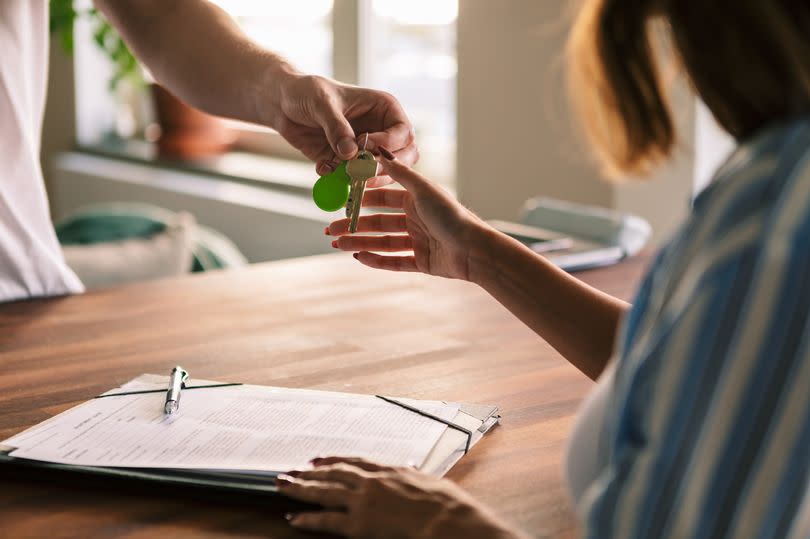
186	132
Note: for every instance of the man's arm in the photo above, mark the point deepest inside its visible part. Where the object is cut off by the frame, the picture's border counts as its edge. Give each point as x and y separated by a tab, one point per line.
198	52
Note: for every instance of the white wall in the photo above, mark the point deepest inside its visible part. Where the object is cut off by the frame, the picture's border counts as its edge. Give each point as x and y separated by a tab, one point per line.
515	136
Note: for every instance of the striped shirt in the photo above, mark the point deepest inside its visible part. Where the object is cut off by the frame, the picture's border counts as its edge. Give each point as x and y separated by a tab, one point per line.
708	423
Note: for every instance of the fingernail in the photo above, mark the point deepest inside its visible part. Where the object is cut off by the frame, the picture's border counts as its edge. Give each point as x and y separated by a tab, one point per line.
284	479
326	231
289	516
334	244
387	154
316	460
347	147
356	256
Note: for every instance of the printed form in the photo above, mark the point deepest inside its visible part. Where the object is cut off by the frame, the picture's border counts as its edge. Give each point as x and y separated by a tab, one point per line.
240	428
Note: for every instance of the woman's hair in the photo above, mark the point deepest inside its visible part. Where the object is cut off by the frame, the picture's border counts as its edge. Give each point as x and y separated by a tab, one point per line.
748	59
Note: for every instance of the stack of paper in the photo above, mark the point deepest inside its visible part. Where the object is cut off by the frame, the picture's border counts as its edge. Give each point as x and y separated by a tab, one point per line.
247	429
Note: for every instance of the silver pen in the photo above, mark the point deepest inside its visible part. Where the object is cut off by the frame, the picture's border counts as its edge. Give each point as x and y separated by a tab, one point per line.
177	381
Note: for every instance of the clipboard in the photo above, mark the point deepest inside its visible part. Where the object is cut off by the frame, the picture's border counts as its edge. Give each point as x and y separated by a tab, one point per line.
475	420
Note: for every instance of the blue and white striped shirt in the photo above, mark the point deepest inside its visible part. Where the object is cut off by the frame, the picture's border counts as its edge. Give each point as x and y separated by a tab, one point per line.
708	429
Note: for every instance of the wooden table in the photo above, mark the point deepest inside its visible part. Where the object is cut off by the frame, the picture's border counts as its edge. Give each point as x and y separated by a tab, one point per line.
322	322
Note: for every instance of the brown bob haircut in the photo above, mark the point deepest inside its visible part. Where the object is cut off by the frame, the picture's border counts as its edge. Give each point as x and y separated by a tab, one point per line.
749	60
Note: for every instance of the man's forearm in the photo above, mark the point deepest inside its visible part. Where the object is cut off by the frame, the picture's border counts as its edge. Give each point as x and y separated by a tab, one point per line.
575	318
197	51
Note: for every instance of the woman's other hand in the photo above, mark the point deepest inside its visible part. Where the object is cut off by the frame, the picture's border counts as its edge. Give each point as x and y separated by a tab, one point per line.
365	500
435	231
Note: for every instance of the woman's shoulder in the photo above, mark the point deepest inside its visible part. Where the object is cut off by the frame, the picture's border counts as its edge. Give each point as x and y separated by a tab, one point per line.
763	190
770	164
753	220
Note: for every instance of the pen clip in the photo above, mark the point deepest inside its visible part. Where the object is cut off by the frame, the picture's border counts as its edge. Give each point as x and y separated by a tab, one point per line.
183	376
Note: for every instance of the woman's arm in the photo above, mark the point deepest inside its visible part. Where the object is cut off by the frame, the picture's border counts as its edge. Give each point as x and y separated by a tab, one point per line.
441	237
197	51
576	319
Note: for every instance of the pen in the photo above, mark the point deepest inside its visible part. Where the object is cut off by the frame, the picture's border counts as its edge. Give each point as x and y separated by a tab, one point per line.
177	381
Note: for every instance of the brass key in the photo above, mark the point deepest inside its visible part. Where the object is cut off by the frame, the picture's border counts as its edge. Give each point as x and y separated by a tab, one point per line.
360	169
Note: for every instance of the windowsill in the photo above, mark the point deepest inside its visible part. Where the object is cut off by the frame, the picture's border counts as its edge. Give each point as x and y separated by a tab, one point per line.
279	174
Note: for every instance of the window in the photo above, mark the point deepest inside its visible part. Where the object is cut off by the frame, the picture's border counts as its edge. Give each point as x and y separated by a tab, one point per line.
406	48
301	31
411	52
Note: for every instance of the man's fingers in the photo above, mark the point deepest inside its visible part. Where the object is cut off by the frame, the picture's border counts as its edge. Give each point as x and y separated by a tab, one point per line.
396	137
325	494
363	464
385	198
382	244
390	263
381	222
326	166
333	522
408	155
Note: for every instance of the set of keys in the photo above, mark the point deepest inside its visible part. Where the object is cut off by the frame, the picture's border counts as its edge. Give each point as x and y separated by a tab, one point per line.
345	186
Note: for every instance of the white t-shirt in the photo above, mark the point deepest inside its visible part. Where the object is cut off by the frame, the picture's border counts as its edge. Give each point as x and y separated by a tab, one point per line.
31	261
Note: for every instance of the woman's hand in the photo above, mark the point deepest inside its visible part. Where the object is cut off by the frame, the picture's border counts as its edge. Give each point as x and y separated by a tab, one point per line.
365	500
436	229
327	120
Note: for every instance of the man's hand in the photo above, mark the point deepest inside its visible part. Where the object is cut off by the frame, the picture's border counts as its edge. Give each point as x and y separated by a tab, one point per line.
327	120
199	53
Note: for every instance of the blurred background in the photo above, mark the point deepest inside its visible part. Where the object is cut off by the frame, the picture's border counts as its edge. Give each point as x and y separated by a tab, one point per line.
483	83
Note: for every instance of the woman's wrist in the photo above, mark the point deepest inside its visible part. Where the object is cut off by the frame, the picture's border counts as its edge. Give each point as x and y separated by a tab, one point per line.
487	250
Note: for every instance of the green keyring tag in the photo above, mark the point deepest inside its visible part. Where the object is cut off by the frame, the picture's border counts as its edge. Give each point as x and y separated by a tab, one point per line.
331	191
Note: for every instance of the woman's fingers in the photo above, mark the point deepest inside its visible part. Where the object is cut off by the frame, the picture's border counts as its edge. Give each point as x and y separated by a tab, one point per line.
391	263
401	172
333	522
380	222
379	181
363	464
343	474
384	244
385	198
325	494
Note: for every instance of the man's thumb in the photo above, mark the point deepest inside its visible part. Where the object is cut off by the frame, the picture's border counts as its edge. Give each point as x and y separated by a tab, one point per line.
338	131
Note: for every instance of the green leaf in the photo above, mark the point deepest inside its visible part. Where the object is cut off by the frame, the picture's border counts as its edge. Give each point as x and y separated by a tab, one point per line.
62	19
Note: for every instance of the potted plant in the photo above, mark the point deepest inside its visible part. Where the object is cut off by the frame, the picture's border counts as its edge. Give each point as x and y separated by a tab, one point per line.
185	132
